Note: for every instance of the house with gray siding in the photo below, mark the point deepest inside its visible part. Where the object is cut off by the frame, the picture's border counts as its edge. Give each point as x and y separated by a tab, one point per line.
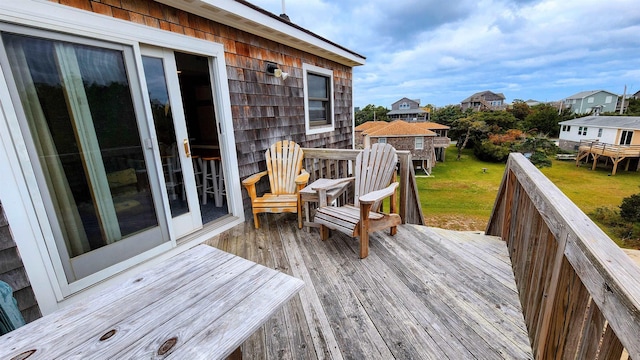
592	102
484	100
407	110
103	180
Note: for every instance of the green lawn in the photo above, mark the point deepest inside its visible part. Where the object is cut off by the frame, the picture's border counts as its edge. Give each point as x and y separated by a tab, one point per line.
460	196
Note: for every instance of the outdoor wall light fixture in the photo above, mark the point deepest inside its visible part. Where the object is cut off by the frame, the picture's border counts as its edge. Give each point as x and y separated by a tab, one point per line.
272	69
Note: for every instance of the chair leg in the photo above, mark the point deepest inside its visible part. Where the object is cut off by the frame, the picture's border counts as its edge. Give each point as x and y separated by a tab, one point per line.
393	230
256	223
364	245
324	232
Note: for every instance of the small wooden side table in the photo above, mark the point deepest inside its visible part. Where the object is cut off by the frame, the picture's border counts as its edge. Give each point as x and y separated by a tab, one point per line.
308	194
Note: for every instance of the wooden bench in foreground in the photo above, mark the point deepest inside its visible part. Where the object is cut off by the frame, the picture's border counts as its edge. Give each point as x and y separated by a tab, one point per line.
201	304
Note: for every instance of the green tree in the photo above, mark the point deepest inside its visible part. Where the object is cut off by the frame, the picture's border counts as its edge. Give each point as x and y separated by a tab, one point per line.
543	118
469	128
371	112
447	115
633	108
520	110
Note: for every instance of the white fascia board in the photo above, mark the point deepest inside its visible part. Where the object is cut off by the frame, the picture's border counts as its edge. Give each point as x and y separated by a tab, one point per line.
239	16
56	17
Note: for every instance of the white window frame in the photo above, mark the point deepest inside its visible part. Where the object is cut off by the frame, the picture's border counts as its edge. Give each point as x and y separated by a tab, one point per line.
600	132
330	126
382	140
42	264
590	100
420	140
608	99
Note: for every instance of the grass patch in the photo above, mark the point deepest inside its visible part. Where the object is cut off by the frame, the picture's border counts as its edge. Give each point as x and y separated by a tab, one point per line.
460	196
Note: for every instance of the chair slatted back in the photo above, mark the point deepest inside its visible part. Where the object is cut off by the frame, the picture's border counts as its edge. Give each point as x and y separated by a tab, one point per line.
284	163
375	167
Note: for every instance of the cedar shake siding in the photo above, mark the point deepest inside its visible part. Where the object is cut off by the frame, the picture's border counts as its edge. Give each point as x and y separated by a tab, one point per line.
265	109
13	273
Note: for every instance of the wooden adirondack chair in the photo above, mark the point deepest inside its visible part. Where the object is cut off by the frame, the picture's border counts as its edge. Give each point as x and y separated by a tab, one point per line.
286	177
374	171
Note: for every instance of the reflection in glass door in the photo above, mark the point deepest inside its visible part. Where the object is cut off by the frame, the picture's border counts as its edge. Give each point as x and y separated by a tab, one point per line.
181	184
93	171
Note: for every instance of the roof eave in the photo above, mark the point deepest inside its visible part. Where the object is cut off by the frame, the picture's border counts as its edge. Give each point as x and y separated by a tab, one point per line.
244	16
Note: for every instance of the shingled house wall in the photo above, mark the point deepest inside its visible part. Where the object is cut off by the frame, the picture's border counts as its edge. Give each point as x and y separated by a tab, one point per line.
265	109
13	273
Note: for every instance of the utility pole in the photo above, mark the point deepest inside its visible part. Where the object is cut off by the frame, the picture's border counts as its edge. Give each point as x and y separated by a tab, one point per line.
624	95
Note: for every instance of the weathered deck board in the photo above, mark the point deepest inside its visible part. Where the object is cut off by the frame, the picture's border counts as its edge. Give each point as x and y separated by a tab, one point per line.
424	294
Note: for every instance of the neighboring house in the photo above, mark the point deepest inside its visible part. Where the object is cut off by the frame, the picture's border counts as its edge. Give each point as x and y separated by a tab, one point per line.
407	110
427	141
485	100
592	102
97	180
616	130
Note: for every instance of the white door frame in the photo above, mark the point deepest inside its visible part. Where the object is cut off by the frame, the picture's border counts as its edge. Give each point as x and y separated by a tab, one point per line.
24	207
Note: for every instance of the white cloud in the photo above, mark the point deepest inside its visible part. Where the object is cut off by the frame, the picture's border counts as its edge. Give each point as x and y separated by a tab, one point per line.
442	52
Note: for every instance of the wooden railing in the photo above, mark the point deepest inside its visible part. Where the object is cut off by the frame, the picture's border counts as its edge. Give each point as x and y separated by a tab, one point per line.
336	163
616	153
440	141
580	292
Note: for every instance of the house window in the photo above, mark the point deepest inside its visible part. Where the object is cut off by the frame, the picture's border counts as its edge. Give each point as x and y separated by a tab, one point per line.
608	99
382	140
590	100
599	132
404	105
566	128
625	137
318	99
582	130
419	143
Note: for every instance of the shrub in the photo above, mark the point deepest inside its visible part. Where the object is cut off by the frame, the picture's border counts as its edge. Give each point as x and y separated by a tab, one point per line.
487	151
540	159
630	208
628	232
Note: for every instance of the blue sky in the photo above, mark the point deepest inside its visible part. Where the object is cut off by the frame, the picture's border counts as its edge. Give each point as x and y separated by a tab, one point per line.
443	51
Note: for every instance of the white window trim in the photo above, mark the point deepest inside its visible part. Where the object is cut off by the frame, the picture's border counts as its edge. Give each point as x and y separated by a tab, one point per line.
382	140
309	130
415	144
42	265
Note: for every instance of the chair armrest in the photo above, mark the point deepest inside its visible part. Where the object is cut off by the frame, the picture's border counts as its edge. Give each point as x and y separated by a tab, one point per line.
303	178
331	183
250	184
251	180
372	197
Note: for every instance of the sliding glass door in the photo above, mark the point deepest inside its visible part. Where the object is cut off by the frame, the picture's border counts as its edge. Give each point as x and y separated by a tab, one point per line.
181	182
91	150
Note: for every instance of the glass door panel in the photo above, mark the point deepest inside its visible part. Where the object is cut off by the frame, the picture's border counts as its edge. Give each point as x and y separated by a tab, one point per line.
195	76
81	118
181	184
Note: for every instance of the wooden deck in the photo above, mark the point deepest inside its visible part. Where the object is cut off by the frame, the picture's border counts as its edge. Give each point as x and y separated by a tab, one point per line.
426	293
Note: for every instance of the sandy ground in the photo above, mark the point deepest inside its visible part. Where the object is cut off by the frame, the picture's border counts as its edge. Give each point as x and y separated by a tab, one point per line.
457	222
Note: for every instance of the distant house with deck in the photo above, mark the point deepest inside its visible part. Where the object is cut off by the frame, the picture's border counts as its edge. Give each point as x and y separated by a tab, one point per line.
484	100
104	179
407	110
615	130
592	102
